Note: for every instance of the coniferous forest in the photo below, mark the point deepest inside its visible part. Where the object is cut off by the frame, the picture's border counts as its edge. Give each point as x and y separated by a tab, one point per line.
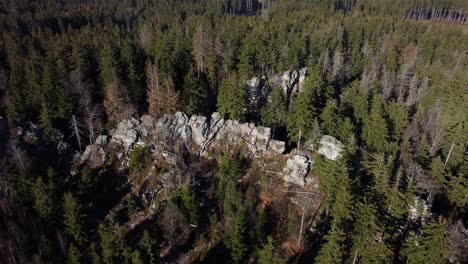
383	83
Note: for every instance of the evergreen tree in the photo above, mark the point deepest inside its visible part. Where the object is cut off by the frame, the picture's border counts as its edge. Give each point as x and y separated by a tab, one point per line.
329	117
355	100
43	202
136	257
375	130
432	246
235	235
231	99
72	218
107	70
73	256
301	115
45	121
194	94
94	256
269	253
274	112
346	131
147	245
366	244
333	249
398	118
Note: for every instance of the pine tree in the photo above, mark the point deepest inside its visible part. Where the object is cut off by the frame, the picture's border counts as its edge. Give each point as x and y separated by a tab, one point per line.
269	253
72	218
423	154
194	94
107	68
43	202
329	118
437	171
332	251
190	204
346	130
355	100
136	257
235	235
433	246
94	256
46	124
301	115
274	112
457	190
73	256
64	103
398	118
147	245
366	247
231	99
375	130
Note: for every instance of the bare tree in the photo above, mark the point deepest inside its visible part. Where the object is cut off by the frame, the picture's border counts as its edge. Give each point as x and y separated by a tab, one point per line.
18	156
339	71
200	47
173	222
160	95
431	125
117	103
326	63
90	112
75	126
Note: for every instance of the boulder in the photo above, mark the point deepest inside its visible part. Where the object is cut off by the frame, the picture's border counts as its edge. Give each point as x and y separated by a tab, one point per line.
95	155
330	147
126	133
276	147
296	169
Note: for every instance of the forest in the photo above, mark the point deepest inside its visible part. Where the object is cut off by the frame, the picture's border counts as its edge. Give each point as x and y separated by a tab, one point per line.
387	79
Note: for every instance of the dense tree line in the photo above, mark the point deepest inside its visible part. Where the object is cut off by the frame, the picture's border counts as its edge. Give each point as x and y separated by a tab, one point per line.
391	89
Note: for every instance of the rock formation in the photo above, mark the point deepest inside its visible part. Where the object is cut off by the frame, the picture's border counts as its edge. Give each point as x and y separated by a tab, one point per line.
199	133
330	147
296	169
202	135
258	89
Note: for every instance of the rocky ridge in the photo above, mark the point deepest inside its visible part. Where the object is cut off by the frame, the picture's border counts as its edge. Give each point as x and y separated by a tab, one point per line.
202	135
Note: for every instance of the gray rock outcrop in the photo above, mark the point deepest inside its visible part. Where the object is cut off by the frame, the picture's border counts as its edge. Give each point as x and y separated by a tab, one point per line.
330	147
296	169
198	132
258	89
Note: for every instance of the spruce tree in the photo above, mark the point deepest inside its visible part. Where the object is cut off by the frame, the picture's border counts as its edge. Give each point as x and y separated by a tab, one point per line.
194	94
147	244
43	202
231	99
270	253
332	251
274	113
73	256
375	130
366	244
329	117
72	218
432	246
301	115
